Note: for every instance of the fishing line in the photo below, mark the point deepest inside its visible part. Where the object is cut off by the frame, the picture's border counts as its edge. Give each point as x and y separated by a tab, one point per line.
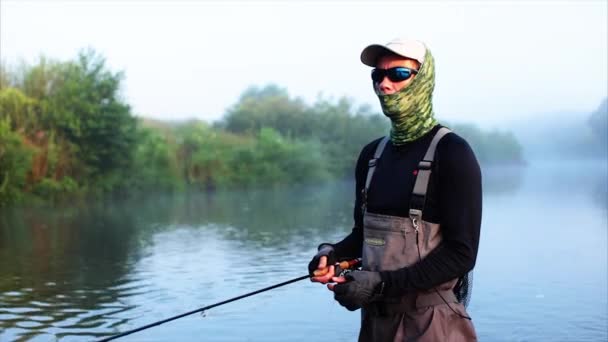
203	309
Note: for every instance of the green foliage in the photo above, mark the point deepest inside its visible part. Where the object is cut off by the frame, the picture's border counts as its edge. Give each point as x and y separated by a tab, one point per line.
155	167
268	107
212	158
5	76
15	159
344	131
205	155
92	116
276	160
65	130
304	162
54	189
339	129
20	109
72	115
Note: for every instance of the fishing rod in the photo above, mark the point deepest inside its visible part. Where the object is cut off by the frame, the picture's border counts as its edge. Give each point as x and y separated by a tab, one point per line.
339	268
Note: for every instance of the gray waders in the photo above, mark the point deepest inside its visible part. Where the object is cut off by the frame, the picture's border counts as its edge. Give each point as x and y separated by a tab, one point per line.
392	242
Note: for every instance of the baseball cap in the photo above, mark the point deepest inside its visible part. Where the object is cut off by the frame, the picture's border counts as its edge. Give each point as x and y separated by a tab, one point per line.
409	48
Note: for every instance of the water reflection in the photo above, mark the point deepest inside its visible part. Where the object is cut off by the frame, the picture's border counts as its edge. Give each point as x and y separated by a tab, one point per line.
59	265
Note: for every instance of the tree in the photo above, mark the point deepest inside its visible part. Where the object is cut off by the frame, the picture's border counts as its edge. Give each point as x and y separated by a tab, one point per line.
87	109
340	129
269	106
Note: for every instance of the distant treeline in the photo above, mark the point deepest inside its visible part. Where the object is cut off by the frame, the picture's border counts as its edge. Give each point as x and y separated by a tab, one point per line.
65	131
583	136
564	136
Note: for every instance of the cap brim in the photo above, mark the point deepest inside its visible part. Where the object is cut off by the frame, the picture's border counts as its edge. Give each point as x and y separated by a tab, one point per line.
370	55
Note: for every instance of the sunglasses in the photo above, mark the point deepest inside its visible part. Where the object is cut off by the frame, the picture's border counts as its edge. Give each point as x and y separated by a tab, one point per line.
397	74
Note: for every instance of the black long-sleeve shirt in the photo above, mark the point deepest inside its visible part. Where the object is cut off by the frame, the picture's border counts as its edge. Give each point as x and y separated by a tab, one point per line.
454	200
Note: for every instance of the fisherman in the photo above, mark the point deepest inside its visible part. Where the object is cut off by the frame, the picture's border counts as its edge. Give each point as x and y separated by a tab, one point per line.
417	213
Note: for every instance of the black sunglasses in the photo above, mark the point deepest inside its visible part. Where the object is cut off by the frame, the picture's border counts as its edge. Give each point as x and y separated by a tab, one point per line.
397	74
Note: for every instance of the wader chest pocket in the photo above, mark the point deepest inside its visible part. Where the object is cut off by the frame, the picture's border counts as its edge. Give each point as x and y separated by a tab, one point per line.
389	248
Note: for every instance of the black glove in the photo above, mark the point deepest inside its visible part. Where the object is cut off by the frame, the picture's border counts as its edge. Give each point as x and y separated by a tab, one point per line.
362	288
324	250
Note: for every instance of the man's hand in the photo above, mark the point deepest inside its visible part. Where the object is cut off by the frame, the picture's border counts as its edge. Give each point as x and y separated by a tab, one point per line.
356	289
327	277
322	265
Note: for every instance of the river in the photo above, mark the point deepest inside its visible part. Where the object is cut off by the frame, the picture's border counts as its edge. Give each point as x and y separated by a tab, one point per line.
83	271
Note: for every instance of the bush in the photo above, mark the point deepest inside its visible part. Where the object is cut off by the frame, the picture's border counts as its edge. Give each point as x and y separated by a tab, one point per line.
15	162
55	189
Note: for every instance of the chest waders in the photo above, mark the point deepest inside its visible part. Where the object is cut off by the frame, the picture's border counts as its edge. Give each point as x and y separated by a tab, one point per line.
393	242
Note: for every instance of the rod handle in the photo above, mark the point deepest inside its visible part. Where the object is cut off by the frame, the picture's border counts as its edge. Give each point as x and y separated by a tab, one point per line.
339	267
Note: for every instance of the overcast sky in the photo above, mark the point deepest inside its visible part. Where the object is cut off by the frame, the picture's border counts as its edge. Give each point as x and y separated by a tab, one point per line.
495	60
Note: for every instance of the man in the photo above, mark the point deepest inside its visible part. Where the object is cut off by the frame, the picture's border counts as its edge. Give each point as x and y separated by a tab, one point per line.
417	213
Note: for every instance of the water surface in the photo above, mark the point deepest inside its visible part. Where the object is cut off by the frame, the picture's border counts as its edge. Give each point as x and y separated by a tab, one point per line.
85	271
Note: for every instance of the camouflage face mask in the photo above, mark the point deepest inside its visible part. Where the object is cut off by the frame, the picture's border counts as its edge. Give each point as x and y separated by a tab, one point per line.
411	108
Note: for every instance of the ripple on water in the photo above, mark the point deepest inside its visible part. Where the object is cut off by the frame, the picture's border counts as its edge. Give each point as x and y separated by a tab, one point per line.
112	305
41	318
107	312
22	310
29	324
40	304
82	324
73	310
7	317
135	288
118	322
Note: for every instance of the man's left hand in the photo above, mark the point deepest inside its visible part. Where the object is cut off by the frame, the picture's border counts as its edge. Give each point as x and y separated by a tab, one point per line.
356	289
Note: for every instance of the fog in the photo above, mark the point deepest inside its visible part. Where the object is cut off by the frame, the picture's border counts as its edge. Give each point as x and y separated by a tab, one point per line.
498	63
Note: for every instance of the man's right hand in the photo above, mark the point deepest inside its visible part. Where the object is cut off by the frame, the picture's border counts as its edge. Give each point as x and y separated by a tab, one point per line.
322	264
327	273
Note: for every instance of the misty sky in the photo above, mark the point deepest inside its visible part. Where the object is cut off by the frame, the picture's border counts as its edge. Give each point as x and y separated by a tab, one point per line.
495	60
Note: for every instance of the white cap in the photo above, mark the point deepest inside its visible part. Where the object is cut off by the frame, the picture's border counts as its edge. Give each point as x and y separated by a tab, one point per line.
404	47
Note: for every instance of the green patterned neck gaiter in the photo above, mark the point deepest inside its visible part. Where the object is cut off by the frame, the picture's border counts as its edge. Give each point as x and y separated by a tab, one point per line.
411	108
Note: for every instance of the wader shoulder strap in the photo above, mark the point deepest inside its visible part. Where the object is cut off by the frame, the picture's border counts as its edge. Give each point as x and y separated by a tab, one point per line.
371	168
418	197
